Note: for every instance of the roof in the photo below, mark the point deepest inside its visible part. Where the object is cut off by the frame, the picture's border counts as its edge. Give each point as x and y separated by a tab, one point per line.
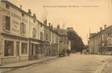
109	27
62	32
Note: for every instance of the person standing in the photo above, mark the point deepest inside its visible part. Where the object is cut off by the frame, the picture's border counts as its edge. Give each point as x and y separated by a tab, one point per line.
68	52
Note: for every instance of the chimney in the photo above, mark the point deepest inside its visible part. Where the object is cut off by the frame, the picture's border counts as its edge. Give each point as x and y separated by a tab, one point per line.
105	26
49	24
58	26
101	29
21	6
45	21
29	11
34	15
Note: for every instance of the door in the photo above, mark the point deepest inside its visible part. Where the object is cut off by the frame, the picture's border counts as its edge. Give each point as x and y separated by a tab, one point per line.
18	50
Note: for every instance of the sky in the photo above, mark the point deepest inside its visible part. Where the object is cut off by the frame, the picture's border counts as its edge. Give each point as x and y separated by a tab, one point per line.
85	16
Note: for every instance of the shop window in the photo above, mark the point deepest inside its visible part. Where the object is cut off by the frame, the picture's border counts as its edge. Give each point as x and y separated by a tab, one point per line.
7	23
8	48
24	48
37	49
17	48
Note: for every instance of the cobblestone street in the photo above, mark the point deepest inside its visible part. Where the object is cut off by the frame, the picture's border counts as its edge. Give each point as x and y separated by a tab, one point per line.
74	63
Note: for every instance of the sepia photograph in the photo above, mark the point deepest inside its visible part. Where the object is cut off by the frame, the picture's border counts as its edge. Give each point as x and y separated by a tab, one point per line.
55	36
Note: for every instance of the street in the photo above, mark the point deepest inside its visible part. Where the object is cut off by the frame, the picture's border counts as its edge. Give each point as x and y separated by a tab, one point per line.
75	63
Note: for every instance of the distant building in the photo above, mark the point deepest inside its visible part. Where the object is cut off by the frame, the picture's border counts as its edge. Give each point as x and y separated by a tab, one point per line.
65	43
101	42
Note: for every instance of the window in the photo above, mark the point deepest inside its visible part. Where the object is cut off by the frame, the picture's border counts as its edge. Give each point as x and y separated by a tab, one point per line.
22	28
41	36
34	48
24	48
46	36
22	14
7	6
40	25
34	32
8	48
7	24
34	20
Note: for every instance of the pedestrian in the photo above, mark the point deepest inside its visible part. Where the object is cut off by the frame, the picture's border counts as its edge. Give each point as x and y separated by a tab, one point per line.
68	52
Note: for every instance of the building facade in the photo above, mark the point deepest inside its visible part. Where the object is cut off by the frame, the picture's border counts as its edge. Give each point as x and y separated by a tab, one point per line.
64	42
23	37
13	33
101	42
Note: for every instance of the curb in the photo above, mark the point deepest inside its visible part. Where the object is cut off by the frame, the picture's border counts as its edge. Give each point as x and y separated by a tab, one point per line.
8	69
25	65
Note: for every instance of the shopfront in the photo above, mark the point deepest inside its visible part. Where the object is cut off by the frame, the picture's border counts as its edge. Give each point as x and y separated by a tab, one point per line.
13	49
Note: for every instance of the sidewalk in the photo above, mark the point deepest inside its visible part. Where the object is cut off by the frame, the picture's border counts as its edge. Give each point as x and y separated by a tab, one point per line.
26	63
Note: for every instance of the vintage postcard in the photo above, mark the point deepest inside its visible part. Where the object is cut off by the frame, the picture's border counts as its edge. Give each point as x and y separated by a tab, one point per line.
55	36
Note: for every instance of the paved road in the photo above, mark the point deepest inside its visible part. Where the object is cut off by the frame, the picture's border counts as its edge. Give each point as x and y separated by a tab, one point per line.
108	67
74	63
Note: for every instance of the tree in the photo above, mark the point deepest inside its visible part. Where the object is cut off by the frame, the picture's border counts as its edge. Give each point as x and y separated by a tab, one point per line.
76	42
